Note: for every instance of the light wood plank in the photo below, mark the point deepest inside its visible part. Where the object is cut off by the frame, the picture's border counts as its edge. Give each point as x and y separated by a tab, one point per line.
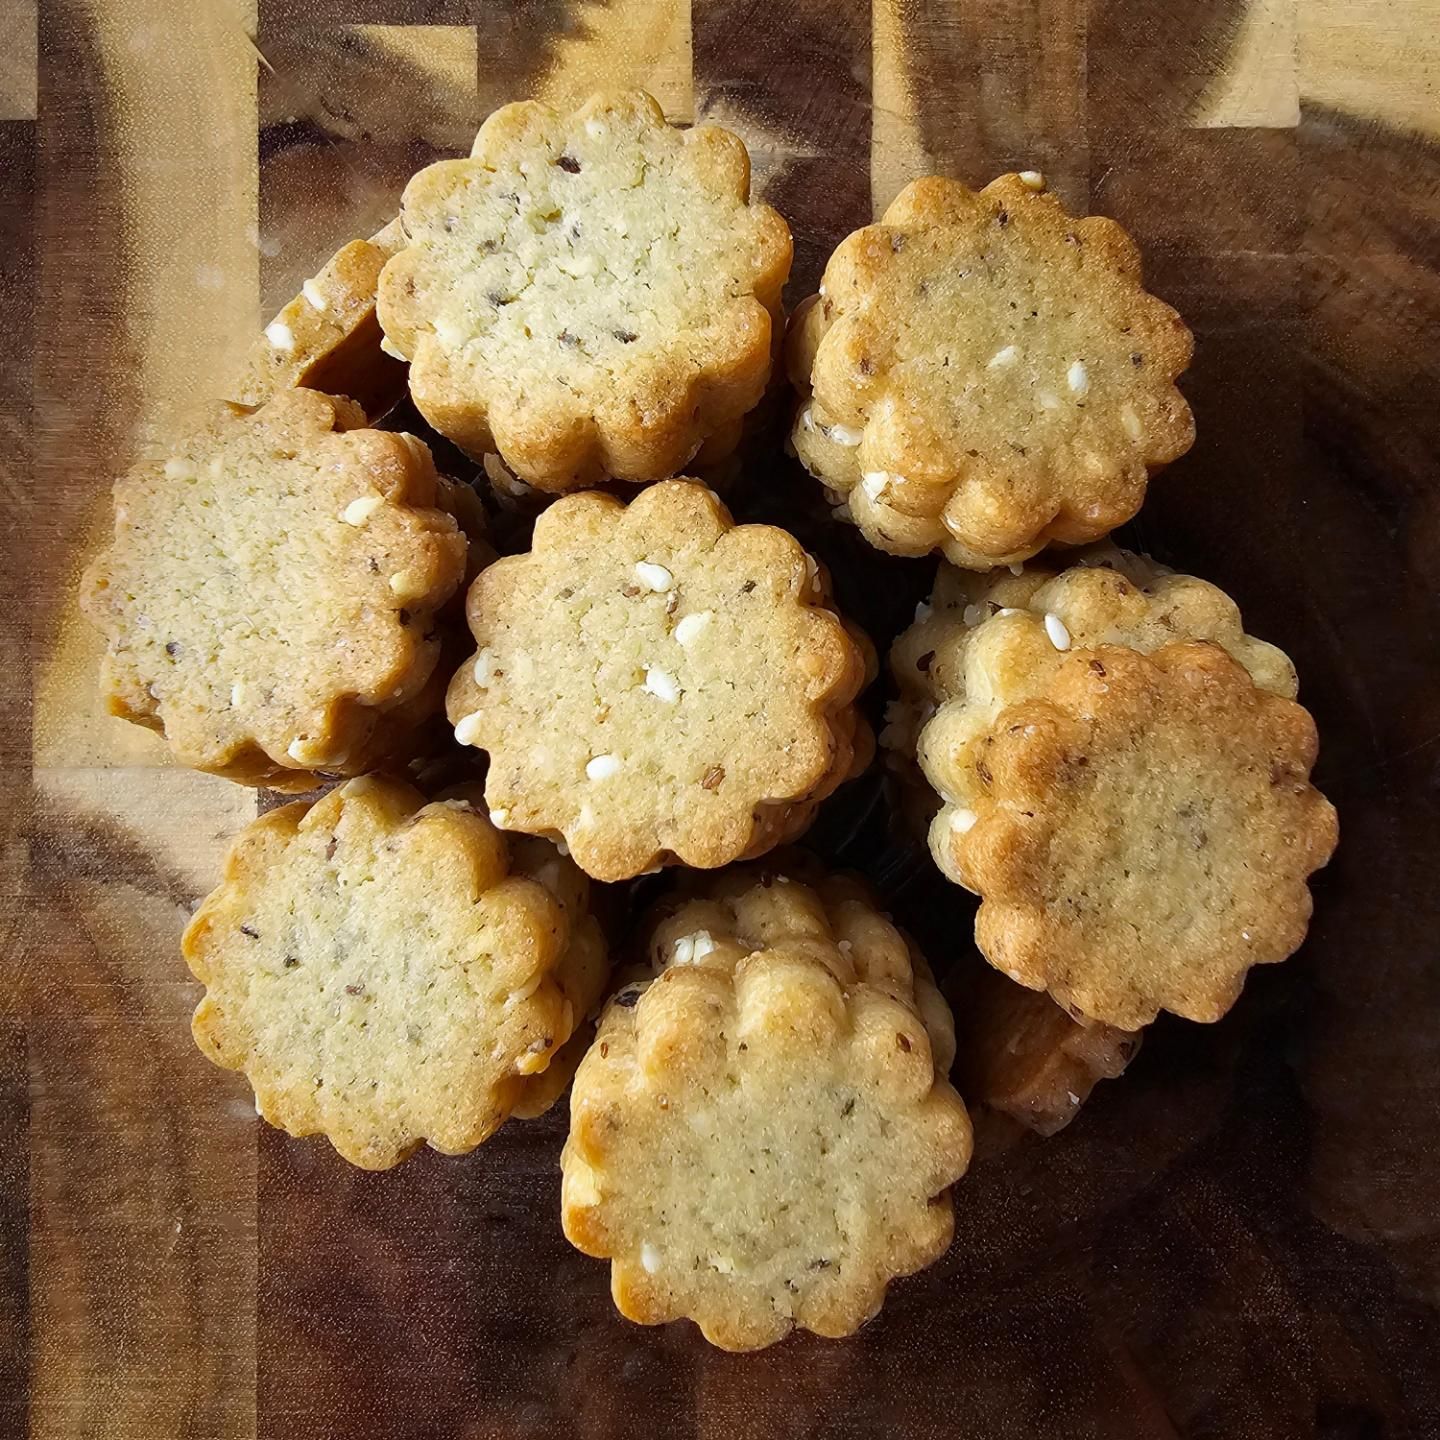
1259	86
1376	59
142	1170
625	43
19	60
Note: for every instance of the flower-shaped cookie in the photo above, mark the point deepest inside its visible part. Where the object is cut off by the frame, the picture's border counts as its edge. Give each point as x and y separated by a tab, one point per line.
269	596
762	1137
591	294
657	684
985	374
1143	833
989	645
327	338
386	976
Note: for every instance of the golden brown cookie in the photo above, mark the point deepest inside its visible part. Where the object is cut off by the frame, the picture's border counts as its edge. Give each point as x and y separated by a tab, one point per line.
1144	832
590	294
269	597
658	685
984	374
988	647
763	1136
388	972
327	338
1023	1057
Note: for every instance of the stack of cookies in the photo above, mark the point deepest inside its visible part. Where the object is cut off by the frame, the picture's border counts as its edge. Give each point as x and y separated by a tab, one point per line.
1122	775
984	375
764	1133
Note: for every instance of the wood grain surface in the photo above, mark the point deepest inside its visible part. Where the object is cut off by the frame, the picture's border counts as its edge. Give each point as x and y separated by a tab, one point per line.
1239	1238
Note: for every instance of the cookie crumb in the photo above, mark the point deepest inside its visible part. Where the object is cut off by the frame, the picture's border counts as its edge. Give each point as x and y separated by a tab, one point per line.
467	731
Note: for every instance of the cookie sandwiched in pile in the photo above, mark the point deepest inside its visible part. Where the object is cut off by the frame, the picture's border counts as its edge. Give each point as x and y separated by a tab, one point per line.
1022	1061
762	1136
984	374
593	295
1123	777
656	685
389	972
327	337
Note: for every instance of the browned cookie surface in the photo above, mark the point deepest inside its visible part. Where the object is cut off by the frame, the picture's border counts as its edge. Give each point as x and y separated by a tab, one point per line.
1121	876
1143	833
986	374
590	294
269	595
762	1137
387	973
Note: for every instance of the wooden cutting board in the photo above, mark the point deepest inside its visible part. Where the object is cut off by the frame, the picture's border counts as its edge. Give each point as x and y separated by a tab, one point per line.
1239	1238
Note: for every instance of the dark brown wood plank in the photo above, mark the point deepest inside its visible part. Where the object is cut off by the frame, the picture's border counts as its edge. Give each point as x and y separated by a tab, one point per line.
17	459
994	87
283	14
793	79
14	1226
512	1332
17	307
